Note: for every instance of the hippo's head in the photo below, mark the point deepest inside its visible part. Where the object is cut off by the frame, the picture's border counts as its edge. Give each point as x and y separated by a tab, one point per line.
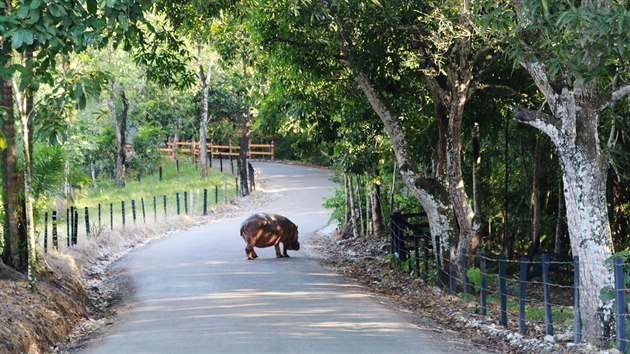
292	241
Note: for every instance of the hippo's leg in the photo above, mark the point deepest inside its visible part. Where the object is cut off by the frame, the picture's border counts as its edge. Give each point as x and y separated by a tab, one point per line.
278	255
284	249
249	250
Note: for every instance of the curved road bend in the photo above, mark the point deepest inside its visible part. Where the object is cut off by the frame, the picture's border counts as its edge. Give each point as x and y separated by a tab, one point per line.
194	292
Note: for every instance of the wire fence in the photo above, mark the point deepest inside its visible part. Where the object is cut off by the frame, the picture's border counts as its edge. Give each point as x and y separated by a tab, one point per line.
541	292
65	228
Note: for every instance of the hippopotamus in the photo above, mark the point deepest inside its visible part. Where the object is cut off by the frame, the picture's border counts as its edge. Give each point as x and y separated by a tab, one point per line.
264	230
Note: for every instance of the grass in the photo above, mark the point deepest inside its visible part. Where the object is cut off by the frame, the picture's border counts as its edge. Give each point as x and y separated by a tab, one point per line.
157	195
188	179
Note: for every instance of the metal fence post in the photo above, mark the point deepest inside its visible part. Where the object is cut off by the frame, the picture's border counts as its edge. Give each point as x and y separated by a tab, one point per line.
75	236
482	289
426	255
465	282
521	295
87	222
133	210
503	290
55	237
68	225
416	253
577	316
122	208
451	271
46	232
205	201
620	304
144	215
547	295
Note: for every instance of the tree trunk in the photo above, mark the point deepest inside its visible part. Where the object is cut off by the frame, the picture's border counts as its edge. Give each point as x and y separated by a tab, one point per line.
28	204
93	174
377	212
476	182
359	206
534	200
430	192
584	170
204	81
346	198
560	223
242	154
15	253
353	208
120	127
369	229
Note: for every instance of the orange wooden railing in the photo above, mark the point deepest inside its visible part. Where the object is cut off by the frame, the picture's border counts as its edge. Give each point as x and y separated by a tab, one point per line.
187	147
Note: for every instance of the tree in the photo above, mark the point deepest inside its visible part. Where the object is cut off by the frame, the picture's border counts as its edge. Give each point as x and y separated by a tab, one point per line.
26	27
566	48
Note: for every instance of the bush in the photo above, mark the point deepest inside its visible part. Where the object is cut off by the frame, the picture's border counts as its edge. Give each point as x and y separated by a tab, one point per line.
146	141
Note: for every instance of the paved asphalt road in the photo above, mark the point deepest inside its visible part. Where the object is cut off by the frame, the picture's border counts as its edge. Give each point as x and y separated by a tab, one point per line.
196	293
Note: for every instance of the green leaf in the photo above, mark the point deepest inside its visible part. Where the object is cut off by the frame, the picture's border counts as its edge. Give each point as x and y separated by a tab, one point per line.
35	4
20	37
92	6
56	10
78	90
22	12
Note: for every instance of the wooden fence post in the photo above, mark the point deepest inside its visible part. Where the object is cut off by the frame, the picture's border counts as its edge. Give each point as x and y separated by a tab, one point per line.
547	295
154	208
185	202
165	213
111	216
99	215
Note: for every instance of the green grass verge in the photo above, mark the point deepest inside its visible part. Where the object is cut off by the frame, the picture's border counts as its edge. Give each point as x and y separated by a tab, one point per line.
185	183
